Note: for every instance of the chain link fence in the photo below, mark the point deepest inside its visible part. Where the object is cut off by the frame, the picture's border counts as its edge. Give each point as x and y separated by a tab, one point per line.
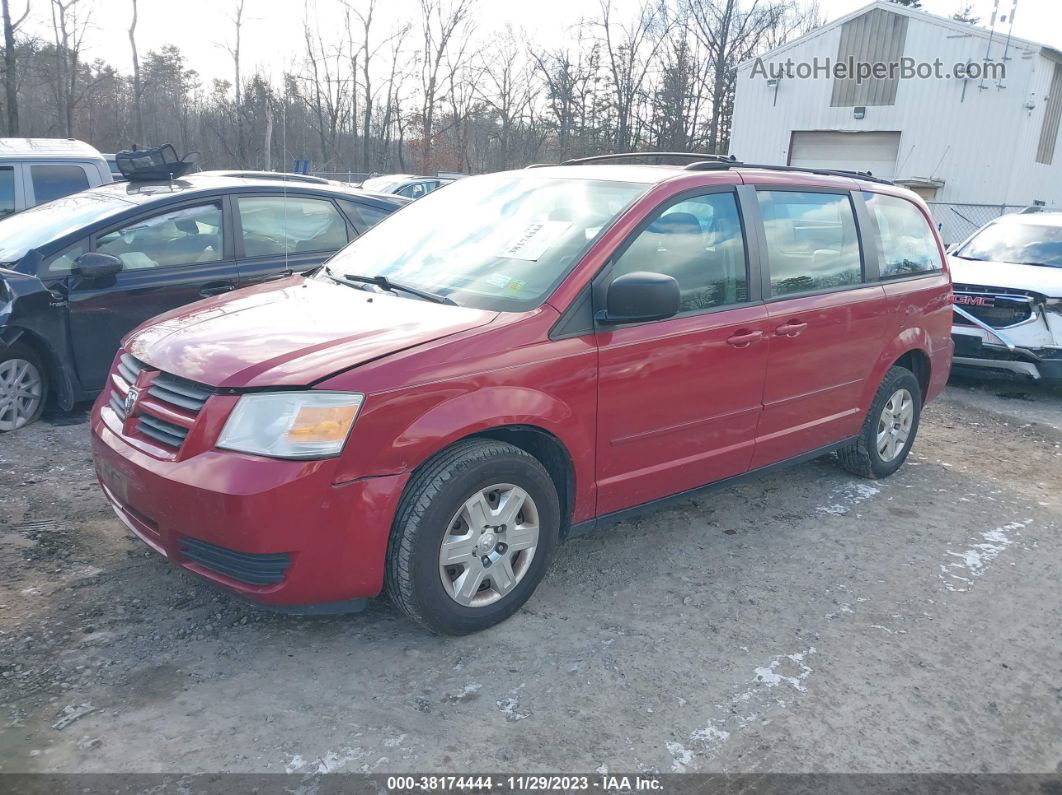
957	221
343	176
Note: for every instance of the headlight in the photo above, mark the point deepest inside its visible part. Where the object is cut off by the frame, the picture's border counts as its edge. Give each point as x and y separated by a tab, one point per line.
1053	305
291	424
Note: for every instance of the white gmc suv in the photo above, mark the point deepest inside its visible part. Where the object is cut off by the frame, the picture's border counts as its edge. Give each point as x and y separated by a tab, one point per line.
1008	296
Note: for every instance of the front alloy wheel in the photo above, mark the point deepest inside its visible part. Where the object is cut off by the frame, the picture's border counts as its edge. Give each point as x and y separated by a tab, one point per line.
490	545
22	391
473	536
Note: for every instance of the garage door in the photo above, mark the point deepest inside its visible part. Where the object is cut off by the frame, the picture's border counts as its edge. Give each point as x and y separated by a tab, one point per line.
847	151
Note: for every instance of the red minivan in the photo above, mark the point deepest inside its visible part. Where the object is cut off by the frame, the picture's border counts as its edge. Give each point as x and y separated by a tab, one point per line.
512	360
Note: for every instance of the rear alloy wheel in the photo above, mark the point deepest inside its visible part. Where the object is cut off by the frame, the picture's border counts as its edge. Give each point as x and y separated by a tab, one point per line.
894	425
889	428
473	536
22	387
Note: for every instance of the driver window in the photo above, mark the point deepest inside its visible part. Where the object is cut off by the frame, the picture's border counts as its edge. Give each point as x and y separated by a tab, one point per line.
700	243
188	236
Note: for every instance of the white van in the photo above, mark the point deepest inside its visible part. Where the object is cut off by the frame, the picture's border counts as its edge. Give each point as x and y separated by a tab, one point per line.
36	170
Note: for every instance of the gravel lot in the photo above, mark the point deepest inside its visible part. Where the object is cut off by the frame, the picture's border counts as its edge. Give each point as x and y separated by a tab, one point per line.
808	621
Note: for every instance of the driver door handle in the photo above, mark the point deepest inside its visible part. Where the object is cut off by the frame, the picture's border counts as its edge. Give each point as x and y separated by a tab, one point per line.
744	338
217	288
791	328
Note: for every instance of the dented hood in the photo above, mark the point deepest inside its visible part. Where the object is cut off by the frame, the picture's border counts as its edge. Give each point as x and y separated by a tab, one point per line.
1041	279
291	333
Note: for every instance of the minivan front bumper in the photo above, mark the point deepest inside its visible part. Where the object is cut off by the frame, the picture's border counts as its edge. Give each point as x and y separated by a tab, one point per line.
281	533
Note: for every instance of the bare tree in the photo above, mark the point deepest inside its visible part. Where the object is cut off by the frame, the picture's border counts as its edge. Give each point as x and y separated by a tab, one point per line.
69	27
10	75
731	33
137	89
441	22
631	50
234	51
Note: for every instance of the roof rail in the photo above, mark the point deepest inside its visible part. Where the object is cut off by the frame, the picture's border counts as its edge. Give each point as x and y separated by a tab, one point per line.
632	155
715	165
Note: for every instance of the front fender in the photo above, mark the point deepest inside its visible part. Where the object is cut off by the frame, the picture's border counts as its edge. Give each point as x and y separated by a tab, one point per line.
31	315
386	442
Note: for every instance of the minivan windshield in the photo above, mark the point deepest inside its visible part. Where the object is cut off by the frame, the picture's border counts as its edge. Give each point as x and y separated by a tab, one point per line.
44	223
498	241
1021	243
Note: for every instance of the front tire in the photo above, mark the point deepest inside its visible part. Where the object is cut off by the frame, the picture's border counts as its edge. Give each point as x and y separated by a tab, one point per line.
889	428
23	387
473	536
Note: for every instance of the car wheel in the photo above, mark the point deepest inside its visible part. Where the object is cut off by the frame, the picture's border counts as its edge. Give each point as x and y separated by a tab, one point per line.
473	536
889	429
23	387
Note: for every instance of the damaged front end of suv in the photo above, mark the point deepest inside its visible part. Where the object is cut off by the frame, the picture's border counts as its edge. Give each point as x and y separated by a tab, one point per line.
1008	297
1006	330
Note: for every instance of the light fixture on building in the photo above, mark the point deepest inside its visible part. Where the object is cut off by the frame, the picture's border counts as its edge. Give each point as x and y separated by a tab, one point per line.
859	111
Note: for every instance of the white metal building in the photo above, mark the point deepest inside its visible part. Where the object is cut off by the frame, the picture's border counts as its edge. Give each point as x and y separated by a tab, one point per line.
973	148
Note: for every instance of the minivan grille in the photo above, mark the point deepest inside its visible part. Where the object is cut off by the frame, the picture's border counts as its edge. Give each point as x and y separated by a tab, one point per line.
999	307
168	409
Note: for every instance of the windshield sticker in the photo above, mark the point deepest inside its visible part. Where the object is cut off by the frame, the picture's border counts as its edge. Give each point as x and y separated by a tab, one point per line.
499	280
535	240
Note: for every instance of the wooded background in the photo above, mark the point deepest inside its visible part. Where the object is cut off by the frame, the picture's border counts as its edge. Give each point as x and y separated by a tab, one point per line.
437	92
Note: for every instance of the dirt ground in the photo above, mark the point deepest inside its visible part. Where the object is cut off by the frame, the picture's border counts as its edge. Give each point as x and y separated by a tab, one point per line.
808	621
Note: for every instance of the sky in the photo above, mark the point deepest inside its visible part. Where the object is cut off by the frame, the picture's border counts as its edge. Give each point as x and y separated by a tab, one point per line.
273	28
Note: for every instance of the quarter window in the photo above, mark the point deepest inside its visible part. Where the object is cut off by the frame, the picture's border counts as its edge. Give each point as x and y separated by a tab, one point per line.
274	226
7	190
811	241
907	241
699	242
63	262
365	215
55	181
186	236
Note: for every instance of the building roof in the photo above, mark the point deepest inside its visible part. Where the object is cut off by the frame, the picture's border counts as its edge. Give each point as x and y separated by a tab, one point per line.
999	35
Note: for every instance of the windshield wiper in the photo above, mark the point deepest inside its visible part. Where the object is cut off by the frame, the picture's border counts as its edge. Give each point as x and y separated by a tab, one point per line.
392	287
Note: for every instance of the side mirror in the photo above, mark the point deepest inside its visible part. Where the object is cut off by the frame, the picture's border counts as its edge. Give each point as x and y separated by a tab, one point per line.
640	297
94	265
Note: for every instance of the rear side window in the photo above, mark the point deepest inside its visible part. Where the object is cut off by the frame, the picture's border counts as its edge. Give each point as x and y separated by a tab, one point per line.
907	240
55	181
365	215
277	225
7	190
699	242
811	241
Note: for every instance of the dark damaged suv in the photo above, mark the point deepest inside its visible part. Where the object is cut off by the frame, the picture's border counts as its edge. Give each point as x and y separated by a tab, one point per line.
78	273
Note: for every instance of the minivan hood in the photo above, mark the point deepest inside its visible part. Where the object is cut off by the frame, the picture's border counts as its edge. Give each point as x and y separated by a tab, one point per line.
291	333
1034	278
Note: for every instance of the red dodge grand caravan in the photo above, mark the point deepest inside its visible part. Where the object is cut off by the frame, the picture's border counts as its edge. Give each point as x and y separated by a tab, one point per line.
511	360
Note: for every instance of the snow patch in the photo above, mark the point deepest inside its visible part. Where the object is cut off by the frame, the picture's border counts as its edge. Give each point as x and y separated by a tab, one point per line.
681	755
958	574
847	496
329	762
511	707
769	675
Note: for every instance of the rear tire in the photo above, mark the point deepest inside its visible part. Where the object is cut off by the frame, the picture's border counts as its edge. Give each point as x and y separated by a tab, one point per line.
889	428
473	536
23	387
